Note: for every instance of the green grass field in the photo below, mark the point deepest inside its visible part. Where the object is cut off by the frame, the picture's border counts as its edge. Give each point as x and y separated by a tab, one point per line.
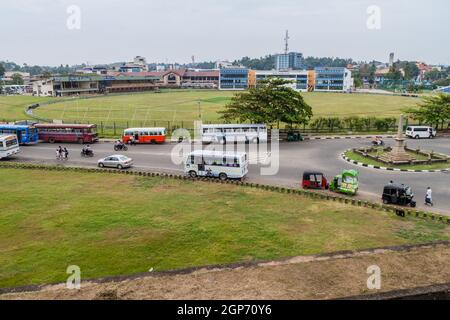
436	166
183	105
12	107
121	224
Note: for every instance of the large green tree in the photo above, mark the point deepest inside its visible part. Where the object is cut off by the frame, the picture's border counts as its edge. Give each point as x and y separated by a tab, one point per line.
434	110
270	102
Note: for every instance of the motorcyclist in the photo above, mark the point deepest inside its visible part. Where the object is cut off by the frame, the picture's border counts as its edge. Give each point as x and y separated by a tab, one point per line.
87	149
378	141
119	145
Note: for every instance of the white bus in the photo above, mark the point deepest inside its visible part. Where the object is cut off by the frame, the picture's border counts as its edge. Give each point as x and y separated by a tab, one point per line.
231	133
224	165
420	132
9	146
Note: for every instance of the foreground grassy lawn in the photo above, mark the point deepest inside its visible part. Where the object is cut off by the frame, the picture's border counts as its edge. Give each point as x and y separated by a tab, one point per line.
118	225
437	166
183	105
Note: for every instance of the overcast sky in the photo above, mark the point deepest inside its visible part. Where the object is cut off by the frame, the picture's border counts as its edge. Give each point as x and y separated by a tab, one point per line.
36	32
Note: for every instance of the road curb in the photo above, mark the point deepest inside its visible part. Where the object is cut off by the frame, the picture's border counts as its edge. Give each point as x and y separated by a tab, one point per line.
365	165
347	137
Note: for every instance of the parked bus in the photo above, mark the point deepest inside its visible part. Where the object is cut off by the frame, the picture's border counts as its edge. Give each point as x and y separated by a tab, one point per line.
231	133
80	133
224	165
26	134
144	135
9	145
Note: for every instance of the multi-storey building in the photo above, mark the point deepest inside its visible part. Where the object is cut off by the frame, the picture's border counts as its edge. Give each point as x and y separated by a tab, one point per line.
289	61
298	79
93	84
333	79
233	78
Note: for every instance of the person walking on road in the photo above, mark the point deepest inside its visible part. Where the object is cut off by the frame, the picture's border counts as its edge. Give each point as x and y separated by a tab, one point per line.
59	153
66	154
429	197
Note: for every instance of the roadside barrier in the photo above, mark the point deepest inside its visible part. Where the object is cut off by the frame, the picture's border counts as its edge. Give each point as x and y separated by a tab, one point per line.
406	211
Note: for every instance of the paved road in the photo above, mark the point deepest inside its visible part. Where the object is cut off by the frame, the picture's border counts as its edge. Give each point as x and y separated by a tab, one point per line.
322	155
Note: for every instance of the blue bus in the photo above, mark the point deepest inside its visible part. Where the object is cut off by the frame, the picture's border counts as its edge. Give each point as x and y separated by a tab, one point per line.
26	134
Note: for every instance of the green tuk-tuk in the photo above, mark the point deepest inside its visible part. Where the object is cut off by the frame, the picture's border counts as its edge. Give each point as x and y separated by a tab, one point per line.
346	183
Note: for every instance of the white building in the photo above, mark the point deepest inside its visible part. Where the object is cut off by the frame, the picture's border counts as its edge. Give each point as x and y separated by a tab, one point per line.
43	88
333	79
299	78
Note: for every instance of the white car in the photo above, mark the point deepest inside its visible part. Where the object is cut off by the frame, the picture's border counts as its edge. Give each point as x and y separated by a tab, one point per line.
420	132
116	161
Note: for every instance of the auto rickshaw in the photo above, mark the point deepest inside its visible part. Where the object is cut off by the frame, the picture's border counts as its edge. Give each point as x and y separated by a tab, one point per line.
314	180
346	183
401	195
293	136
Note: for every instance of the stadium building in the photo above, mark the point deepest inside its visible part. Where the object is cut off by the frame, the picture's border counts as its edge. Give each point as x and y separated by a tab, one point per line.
333	79
298	79
234	78
121	82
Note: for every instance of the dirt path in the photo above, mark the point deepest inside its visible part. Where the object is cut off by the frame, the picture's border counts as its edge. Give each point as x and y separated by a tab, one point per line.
312	277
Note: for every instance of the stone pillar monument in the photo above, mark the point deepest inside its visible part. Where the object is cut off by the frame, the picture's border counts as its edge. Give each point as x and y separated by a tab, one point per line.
398	155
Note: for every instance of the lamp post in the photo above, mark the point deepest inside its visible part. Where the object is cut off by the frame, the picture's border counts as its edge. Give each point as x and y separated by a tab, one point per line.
199	110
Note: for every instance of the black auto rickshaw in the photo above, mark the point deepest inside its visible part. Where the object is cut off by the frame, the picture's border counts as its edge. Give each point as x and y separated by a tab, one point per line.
398	195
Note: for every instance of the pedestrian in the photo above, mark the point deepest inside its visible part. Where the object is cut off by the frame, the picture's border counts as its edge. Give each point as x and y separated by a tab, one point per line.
66	153
429	197
59	152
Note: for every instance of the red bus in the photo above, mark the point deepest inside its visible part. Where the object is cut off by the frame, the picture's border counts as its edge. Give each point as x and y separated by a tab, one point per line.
80	133
144	135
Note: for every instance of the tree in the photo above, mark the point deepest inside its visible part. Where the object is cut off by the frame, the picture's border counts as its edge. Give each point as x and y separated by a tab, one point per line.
2	73
270	102
46	75
17	79
373	69
434	110
411	70
2	70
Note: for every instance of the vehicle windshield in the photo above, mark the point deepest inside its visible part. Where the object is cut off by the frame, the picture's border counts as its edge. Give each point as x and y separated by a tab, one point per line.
123	158
350	180
408	191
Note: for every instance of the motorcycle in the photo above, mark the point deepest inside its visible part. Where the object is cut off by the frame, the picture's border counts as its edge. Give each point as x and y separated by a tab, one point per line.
379	142
87	153
120	147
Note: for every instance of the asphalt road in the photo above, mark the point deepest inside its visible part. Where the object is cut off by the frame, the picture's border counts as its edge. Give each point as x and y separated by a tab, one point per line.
320	155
